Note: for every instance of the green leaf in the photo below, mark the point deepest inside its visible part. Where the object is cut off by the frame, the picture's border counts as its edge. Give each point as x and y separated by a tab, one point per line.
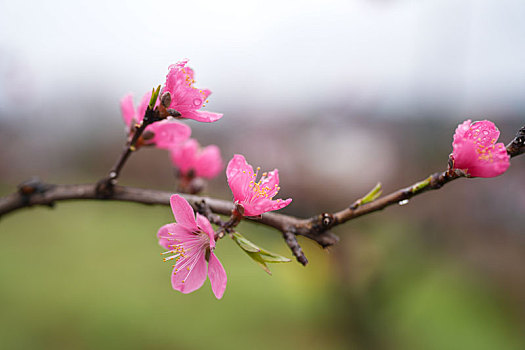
257	258
421	185
272	257
154	95
244	243
259	255
373	194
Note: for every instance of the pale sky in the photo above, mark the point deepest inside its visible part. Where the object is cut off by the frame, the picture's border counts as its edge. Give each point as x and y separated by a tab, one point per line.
265	55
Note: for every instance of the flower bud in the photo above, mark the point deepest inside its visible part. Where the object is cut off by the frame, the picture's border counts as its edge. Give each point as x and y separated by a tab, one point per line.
165	99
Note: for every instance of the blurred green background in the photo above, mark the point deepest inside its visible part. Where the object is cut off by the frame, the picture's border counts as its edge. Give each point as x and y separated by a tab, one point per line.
337	95
89	275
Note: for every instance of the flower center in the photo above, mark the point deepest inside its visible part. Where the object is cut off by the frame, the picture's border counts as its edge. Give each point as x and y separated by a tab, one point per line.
260	189
187	251
485	153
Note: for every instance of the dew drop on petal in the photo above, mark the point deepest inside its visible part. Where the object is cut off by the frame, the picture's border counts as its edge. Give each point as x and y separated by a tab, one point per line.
197	102
403	202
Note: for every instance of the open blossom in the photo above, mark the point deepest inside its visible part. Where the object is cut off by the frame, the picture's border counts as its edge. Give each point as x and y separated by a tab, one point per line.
166	133
191	159
255	197
192	243
185	98
476	152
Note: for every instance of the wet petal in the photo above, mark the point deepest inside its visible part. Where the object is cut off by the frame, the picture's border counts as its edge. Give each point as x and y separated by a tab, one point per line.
495	163
237	165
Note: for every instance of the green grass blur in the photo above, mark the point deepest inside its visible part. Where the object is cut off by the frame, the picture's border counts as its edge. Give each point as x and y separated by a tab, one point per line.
89	275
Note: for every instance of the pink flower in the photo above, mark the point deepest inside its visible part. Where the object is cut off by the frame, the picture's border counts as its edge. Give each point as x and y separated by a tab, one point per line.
255	197
476	152
192	243
184	97
189	157
166	133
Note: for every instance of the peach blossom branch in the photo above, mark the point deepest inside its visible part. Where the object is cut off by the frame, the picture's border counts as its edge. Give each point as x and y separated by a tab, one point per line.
317	228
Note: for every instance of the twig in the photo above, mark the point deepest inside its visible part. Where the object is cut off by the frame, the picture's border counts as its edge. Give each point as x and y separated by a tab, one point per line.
105	186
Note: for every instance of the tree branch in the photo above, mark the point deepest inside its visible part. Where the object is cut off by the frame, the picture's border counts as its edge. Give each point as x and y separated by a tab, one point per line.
317	228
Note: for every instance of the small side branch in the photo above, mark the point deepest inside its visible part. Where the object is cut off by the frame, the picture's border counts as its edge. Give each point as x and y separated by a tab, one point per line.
106	185
291	241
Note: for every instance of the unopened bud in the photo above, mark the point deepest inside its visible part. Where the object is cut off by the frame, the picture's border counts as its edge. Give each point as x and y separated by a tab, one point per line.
148	135
173	113
196	185
165	99
328	219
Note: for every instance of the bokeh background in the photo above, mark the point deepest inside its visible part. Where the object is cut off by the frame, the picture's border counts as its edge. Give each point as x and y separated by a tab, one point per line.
336	94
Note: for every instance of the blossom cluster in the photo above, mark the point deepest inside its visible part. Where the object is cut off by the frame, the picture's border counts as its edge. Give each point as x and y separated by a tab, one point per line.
190	242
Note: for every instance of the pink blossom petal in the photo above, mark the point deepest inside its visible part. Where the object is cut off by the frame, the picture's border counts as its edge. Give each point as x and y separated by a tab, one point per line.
169	133
263	205
217	276
186	98
127	109
183	212
483	133
204	225
174	76
189	274
209	164
183	156
202	116
171	234
237	165
272	182
496	164
281	204
164	234
240	186
476	152
462	128
189	71
205	93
